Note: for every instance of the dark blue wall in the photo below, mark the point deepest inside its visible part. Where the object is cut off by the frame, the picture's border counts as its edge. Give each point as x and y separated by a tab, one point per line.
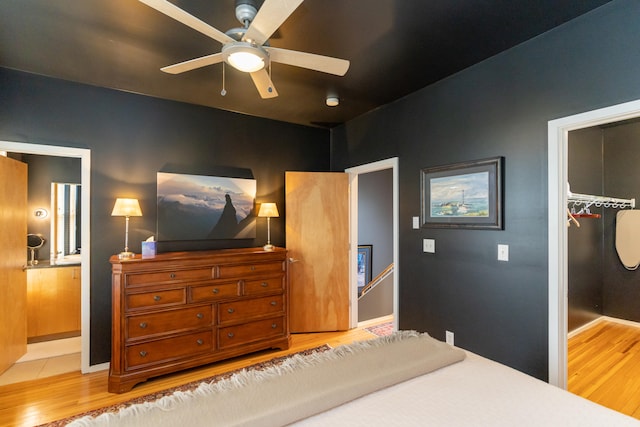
499	107
131	138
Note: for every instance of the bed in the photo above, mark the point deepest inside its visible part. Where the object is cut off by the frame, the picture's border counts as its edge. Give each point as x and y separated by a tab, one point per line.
474	392
407	379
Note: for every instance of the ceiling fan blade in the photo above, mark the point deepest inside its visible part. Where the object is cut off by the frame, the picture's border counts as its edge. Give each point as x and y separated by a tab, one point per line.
264	84
271	15
187	19
326	64
192	64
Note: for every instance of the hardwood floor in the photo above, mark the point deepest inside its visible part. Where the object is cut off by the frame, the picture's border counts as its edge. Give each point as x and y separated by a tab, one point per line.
44	400
604	366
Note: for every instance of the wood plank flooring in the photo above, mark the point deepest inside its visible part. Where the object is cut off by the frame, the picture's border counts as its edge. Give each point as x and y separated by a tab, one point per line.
604	366
44	400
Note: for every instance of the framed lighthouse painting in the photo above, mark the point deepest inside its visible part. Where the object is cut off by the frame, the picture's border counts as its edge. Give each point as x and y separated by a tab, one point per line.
463	195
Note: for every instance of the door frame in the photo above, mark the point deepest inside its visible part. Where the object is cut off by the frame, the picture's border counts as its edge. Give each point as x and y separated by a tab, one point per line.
558	134
354	172
85	269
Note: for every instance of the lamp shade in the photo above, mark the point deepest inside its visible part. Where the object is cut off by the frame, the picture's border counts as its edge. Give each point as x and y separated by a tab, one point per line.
126	207
269	210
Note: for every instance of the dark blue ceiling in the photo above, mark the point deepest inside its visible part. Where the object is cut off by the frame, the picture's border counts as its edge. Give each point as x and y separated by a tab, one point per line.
395	47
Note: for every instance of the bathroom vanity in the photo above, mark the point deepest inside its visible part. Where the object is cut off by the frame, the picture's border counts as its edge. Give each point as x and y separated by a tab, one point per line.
53	301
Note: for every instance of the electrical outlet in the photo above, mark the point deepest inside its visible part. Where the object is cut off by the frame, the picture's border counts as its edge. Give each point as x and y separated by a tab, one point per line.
449	337
503	252
429	246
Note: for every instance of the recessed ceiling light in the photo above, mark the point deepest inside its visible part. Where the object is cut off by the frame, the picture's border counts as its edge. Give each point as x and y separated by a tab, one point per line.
333	101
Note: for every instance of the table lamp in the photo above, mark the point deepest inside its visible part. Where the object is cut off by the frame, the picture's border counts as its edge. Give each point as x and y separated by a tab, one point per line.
268	210
126	208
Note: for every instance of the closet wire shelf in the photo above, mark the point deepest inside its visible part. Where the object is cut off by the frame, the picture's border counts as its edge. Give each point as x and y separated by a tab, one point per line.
585	201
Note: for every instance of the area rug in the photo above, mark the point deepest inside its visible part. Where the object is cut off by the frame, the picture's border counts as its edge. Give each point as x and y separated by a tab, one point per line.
186	387
381	330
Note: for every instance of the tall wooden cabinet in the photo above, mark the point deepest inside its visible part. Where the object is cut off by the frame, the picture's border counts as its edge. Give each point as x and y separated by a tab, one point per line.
178	310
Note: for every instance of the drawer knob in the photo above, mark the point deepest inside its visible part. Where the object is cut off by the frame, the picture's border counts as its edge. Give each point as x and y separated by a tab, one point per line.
172	275
274	325
143	325
199	315
253	267
215	290
230	334
230	310
264	284
157	297
274	303
143	353
199	342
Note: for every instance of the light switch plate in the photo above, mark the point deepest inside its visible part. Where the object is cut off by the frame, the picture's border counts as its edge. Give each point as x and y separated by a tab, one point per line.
503	252
416	222
429	246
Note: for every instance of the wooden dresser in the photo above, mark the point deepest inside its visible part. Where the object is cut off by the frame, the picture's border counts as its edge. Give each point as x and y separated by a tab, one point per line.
183	309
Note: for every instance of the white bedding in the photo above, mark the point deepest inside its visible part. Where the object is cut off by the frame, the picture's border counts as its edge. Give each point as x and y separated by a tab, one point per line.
475	392
407	379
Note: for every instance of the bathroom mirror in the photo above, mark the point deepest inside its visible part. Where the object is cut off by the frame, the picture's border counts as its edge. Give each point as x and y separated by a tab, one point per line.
65	223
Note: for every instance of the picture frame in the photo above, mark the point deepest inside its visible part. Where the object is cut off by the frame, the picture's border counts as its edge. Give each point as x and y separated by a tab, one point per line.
463	195
204	207
364	265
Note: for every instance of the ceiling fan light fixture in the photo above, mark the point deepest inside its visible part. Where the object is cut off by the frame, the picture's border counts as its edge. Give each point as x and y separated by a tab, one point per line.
245	57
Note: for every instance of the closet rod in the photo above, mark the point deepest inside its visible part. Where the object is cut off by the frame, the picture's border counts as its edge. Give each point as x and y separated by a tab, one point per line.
598	201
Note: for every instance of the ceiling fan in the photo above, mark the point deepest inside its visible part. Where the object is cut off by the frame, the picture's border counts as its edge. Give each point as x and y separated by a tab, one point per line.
247	48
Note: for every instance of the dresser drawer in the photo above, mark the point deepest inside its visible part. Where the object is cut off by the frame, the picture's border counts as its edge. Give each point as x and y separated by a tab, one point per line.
155	299
271	284
252	331
214	292
145	325
244	270
247	309
169	276
168	349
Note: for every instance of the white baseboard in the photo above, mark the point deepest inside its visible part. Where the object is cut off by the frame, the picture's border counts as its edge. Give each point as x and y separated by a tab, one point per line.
96	368
602	319
622	321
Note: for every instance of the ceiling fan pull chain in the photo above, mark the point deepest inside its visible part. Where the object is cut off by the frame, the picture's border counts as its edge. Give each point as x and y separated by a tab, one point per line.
223	92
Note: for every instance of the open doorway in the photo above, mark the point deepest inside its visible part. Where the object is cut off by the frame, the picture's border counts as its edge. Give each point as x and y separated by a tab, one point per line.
84	270
558	134
355	174
375	245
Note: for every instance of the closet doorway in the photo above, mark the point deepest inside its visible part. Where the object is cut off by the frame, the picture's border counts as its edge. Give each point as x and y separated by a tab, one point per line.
558	177
603	304
85	165
601	161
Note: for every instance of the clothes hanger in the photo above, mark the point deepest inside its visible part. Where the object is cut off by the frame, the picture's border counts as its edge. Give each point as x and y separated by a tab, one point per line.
572	219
